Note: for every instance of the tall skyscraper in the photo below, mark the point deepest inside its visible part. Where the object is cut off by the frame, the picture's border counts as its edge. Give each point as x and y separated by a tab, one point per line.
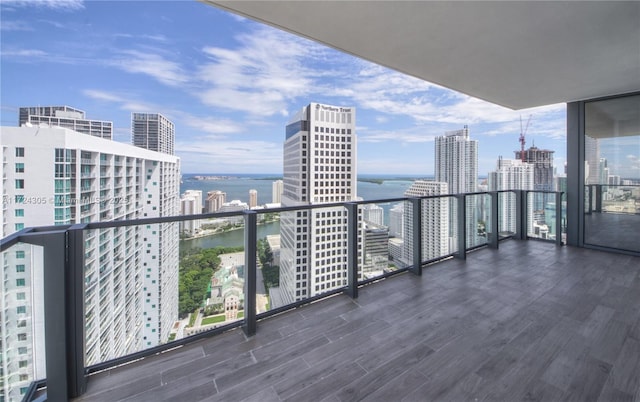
66	117
456	163
319	167
592	160
253	198
83	179
153	131
511	174
215	200
276	192
435	220
542	161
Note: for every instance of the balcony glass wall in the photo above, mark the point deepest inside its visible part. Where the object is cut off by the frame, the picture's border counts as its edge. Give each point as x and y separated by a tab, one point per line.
612	173
22	343
149	285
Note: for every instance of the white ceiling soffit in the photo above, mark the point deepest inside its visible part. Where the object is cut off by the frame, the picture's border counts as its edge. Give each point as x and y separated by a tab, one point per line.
515	54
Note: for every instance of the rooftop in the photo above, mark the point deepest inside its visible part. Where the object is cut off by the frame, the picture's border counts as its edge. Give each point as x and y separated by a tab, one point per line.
530	320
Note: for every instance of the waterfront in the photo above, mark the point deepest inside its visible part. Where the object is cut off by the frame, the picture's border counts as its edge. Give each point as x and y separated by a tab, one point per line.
232	238
237	186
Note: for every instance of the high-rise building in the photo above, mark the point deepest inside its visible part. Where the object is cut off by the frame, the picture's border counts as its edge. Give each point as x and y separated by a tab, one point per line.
376	250
435	220
253	198
276	192
456	163
152	131
65	117
190	204
82	179
511	174
396	220
215	200
373	213
592	160
319	167
542	161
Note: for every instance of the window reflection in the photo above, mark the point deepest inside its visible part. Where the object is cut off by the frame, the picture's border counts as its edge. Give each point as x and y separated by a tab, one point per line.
612	173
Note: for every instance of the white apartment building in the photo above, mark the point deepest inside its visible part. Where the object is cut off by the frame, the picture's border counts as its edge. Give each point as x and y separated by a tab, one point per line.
276	192
319	167
190	204
396	220
215	200
435	220
56	176
511	174
66	117
373	213
456	163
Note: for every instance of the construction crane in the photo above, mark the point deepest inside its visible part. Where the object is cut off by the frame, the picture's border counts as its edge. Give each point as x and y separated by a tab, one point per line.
522	134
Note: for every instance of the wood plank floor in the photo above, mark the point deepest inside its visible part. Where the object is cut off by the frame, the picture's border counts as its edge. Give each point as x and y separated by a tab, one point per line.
530	321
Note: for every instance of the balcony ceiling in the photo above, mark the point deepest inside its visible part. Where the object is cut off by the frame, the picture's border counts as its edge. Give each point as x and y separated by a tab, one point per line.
515	54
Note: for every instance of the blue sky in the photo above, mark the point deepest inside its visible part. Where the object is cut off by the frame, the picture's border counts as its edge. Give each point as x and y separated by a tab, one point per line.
230	84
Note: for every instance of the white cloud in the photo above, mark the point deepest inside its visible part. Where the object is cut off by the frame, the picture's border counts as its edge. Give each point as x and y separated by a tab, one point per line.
64	5
165	71
35	53
15	26
260	76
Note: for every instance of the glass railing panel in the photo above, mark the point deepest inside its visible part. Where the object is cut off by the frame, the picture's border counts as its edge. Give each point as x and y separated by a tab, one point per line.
146	285
313	254
541	215
478	214
22	343
382	239
268	258
439	227
507	212
211	275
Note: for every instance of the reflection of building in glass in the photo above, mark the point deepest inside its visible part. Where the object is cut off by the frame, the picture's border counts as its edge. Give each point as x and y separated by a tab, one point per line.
591	160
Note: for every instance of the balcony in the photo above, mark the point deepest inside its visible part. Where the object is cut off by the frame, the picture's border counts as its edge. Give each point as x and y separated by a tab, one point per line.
528	321
503	319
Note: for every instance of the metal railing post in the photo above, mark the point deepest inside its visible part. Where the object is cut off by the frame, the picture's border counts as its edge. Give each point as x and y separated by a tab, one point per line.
59	363
559	218
250	271
589	206
352	249
521	214
462	227
76	310
416	209
598	197
494	236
